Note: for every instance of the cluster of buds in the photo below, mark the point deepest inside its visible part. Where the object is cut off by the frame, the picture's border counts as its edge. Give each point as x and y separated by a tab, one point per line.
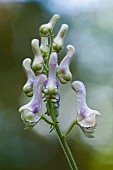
44	75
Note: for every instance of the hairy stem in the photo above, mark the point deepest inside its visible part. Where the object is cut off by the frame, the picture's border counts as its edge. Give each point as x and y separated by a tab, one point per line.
62	140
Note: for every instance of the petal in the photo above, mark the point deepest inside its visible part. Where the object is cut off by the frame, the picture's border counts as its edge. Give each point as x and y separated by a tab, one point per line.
30	113
30	119
51	85
38	59
86	118
63	71
28	87
89	121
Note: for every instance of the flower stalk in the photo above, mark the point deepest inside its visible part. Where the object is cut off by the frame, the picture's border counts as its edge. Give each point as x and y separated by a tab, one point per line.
63	141
70	128
45	77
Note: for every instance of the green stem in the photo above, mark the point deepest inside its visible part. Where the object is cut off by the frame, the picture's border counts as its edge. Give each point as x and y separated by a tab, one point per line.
62	140
70	128
46	120
51	41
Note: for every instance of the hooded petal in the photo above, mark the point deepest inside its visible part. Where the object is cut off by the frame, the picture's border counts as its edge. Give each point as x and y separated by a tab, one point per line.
63	71
58	40
38	58
51	86
30	113
28	87
87	118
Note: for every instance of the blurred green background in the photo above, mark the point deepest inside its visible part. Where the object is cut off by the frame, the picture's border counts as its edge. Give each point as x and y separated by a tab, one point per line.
91	32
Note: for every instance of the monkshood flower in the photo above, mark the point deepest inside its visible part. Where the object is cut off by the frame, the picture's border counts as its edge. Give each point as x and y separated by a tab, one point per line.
63	71
58	40
28	87
30	113
51	86
44	45
86	118
45	29
38	62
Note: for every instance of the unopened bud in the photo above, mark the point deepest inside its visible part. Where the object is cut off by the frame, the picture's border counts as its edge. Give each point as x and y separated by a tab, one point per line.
38	59
58	41
44	45
28	87
45	29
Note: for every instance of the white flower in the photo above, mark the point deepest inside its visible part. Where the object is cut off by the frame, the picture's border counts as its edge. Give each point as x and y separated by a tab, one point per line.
63	71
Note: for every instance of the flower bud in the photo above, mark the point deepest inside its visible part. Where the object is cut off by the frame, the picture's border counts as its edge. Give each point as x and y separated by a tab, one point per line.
58	41
63	71
38	59
44	45
28	87
44	48
30	113
86	117
45	29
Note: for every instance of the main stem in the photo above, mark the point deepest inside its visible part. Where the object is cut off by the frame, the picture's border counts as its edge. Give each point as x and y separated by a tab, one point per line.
62	140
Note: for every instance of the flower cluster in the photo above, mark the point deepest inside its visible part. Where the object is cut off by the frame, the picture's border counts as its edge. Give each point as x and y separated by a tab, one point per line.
44	75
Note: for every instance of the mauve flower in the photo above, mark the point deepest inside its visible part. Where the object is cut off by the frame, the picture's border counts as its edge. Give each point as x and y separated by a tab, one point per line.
51	86
86	118
63	71
28	87
30	113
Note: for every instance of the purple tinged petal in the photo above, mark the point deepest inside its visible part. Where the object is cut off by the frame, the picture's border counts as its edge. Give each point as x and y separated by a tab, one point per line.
87	118
52	82
30	113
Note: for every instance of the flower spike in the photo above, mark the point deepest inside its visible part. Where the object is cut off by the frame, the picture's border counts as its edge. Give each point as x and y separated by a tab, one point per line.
30	113
86	118
63	71
28	87
58	41
38	59
45	29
